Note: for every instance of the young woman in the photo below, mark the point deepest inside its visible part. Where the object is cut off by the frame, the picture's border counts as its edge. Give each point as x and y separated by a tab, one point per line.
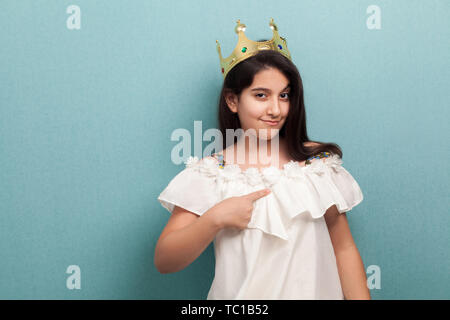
280	231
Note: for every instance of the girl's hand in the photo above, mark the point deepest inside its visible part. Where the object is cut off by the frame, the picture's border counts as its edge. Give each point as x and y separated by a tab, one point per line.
236	212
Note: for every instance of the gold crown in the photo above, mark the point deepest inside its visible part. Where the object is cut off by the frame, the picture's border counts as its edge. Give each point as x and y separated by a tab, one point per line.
246	48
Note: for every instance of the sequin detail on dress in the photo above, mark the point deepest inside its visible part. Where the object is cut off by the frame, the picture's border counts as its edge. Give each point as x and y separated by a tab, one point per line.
308	161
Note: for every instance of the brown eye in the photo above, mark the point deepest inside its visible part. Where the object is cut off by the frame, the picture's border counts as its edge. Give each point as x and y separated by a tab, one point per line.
287	95
259	95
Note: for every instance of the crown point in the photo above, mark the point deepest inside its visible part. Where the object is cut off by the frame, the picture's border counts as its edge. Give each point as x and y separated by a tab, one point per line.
240	27
272	25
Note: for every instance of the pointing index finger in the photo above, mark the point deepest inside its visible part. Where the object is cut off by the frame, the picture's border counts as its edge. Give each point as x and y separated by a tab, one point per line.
258	194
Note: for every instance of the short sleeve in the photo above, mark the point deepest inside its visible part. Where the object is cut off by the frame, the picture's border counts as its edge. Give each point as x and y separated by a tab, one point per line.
334	185
191	190
348	190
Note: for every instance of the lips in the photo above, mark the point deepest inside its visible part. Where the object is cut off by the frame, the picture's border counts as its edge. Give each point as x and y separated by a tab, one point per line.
271	123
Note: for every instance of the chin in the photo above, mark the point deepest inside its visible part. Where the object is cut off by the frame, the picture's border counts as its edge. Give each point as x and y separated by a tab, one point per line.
268	133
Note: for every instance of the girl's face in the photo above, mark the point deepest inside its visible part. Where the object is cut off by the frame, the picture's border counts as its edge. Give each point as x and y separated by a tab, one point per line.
266	99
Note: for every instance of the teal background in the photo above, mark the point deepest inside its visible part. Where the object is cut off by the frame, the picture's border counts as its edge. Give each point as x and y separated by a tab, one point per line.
86	117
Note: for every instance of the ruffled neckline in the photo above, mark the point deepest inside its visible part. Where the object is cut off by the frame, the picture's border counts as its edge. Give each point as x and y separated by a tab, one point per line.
296	190
266	175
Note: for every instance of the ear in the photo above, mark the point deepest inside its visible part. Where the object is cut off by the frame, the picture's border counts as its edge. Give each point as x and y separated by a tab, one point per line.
232	101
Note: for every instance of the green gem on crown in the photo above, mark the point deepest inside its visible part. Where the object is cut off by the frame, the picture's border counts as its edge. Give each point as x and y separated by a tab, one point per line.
244	49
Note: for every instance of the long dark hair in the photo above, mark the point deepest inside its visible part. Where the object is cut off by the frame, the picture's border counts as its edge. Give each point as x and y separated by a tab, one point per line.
294	129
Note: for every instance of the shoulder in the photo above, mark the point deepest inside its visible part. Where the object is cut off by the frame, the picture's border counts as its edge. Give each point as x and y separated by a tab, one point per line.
311	144
318	154
208	166
211	160
195	161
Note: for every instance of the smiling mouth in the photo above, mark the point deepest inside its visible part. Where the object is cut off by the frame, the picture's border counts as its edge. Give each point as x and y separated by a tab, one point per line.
272	123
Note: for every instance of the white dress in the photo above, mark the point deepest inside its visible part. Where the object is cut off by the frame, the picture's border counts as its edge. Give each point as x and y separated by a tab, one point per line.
286	251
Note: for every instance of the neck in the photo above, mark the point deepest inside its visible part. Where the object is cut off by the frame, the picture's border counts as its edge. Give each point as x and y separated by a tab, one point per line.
259	151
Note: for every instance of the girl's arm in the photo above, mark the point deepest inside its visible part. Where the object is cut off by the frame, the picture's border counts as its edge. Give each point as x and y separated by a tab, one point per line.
350	265
184	238
187	235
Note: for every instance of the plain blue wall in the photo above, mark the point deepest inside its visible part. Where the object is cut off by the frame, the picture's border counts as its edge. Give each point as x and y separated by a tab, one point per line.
86	117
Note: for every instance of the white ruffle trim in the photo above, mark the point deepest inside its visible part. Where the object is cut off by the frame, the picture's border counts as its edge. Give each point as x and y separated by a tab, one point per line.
267	176
296	189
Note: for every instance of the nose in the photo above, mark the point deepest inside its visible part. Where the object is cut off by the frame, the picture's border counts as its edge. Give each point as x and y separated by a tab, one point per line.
274	108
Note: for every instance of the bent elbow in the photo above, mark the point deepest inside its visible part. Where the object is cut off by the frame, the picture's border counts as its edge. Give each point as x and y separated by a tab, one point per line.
158	265
161	266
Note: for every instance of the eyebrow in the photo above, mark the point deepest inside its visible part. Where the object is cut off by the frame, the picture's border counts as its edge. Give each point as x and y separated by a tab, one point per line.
266	89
